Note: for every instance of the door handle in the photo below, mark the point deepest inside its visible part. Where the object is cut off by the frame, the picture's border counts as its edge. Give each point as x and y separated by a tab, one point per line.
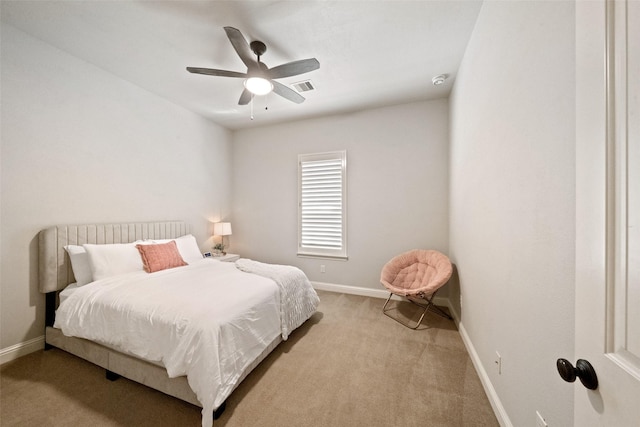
582	370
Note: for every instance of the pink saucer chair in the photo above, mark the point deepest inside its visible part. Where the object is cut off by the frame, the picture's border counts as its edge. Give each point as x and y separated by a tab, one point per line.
416	275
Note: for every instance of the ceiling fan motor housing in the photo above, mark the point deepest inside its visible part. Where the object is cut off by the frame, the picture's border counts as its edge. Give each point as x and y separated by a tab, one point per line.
258	47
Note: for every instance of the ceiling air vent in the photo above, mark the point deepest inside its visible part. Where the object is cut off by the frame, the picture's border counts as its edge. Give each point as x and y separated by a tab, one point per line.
304	86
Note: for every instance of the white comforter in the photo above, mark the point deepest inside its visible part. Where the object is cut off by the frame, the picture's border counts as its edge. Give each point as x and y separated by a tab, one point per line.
207	321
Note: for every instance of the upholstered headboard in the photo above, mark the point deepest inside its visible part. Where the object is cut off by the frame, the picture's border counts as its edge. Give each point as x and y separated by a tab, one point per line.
54	266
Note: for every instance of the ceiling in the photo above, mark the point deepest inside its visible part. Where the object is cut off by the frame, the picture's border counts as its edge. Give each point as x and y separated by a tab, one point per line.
371	53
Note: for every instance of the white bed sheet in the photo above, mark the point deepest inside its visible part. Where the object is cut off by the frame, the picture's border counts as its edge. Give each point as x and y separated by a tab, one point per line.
207	321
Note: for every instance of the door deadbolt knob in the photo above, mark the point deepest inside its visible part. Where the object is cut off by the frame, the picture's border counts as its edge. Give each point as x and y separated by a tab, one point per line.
582	370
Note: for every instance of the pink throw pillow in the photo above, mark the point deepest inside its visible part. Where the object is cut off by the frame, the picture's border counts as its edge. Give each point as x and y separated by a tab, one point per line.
160	257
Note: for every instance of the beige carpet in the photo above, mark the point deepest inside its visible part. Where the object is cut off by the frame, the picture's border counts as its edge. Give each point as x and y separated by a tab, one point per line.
349	365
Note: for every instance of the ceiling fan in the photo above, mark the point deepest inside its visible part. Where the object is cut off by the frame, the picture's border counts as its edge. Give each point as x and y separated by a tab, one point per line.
259	79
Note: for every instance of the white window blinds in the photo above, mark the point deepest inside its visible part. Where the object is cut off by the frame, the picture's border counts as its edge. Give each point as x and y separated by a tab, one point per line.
322	204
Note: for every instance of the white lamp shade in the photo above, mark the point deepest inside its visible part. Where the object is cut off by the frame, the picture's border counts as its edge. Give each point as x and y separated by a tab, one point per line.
222	229
258	85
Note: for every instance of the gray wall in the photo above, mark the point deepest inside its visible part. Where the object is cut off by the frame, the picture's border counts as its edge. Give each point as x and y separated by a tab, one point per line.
80	145
512	211
397	185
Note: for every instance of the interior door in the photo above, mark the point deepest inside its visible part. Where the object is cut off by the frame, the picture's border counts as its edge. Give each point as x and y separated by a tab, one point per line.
608	210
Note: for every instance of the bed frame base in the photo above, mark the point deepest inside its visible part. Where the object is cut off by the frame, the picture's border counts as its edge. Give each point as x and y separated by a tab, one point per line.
119	364
218	412
111	376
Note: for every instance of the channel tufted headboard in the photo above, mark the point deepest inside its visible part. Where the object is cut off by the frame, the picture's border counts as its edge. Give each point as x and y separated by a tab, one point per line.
54	266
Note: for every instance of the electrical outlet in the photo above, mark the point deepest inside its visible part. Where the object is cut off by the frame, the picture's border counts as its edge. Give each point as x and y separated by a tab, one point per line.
322	269
498	363
540	422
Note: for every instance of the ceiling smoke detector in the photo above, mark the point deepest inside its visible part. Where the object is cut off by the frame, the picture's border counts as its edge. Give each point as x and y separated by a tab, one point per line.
439	79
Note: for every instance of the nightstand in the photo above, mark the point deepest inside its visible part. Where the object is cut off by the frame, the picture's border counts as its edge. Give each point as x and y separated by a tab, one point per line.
227	257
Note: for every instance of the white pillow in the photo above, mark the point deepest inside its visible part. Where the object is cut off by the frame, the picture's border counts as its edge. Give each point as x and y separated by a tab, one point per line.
111	260
80	264
187	246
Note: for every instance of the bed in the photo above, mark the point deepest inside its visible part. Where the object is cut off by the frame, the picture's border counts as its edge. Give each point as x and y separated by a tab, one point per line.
193	331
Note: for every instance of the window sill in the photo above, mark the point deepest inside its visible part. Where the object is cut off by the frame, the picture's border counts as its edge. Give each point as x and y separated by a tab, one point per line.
322	256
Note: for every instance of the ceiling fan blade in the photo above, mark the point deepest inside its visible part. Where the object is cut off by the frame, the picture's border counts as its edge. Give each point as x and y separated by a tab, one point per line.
241	46
245	98
214	72
294	68
287	92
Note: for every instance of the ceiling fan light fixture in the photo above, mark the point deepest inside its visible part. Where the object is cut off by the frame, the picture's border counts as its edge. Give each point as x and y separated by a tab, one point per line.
258	85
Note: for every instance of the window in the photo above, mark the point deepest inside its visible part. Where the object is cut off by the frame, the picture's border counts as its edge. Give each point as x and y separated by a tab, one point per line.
322	208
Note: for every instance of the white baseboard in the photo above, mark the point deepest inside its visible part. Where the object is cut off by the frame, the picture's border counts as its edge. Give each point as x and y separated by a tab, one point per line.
494	399
21	349
368	292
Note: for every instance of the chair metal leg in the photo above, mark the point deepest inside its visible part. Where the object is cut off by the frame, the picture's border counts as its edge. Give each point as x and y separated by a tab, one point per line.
441	312
430	304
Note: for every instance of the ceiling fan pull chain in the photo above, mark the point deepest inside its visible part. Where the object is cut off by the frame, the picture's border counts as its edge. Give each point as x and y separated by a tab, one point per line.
251	106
